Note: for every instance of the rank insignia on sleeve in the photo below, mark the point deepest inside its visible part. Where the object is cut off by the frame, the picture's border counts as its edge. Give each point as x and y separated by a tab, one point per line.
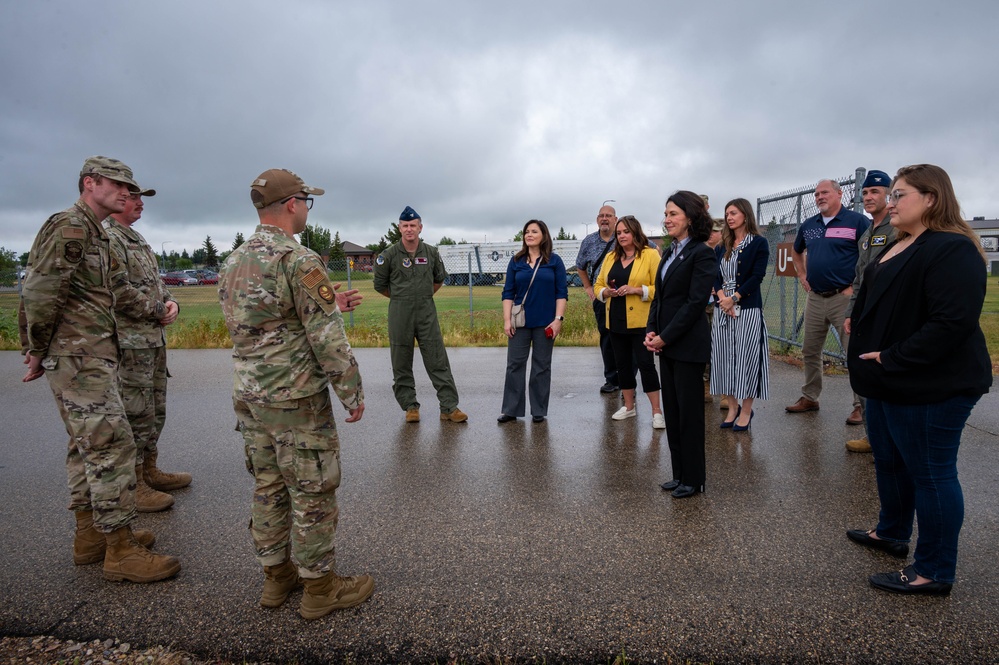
114	263
406	263
313	277
421	260
326	293
73	251
879	241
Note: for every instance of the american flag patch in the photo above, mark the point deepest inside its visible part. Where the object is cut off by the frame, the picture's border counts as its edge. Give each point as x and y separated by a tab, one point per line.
312	278
845	234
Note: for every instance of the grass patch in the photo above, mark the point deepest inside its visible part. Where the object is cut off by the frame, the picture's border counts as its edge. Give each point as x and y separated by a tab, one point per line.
200	324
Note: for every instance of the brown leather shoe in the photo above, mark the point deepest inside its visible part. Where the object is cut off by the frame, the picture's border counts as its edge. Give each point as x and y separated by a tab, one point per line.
413	414
802	405
856	417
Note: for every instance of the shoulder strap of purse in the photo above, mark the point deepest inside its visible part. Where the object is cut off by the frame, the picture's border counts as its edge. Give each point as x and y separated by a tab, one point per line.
531	283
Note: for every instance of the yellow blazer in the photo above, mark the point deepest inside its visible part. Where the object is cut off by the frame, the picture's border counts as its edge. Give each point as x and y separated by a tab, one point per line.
643	274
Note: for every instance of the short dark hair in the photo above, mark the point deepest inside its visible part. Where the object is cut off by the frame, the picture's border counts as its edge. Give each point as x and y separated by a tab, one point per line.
96	177
696	211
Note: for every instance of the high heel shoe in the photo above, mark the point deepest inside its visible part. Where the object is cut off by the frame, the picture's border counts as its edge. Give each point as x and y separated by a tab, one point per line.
728	424
743	428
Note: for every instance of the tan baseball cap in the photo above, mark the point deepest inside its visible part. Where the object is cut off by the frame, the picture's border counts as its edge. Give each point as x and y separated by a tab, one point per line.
276	184
111	169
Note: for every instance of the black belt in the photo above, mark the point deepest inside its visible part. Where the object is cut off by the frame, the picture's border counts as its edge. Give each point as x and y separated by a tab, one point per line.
830	294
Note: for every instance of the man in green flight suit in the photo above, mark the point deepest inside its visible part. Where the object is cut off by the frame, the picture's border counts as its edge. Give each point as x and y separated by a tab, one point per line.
409	274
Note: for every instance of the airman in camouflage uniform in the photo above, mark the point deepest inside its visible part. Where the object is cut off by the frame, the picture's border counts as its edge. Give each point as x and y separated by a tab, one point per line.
409	274
143	307
289	345
69	335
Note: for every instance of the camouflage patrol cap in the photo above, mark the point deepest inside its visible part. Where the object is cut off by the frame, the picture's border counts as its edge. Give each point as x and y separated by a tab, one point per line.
274	185
717	224
111	169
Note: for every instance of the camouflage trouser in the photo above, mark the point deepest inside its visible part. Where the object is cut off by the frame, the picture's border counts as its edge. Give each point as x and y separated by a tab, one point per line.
143	375
100	464
293	452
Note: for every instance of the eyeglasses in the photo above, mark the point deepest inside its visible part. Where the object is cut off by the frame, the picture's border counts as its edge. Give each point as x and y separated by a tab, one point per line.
308	200
896	195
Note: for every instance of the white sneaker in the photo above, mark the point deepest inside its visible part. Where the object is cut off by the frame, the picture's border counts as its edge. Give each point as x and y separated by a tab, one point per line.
623	413
658	421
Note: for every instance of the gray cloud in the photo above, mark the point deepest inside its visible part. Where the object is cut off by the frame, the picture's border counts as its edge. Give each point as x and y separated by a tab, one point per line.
483	117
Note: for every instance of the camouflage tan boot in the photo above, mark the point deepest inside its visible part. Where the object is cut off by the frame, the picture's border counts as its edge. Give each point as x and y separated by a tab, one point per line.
89	544
161	480
128	560
333	592
279	581
148	500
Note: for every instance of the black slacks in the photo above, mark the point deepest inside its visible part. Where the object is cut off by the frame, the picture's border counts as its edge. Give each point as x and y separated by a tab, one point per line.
683	406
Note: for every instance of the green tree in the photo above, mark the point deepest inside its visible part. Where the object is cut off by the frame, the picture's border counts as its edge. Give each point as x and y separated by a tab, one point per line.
237	242
317	239
519	237
8	262
562	235
394	235
198	257
184	264
336	250
378	247
211	253
24	259
223	256
446	241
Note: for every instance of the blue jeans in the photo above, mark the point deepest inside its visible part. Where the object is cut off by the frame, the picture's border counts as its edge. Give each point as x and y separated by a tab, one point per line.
915	460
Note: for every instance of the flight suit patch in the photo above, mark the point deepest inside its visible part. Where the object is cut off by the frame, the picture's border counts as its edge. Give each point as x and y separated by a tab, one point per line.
879	241
407	263
73	251
421	260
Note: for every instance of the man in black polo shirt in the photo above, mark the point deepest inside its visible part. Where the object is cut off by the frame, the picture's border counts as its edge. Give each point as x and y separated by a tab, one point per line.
825	257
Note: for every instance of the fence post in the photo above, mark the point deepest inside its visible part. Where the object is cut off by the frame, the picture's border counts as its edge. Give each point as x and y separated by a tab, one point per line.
350	315
471	302
858	195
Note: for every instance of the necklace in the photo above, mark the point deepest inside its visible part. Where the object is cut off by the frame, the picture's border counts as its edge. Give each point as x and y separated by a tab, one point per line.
899	247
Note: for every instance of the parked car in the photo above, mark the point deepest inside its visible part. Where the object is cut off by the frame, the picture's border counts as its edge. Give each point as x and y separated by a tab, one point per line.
179	279
208	277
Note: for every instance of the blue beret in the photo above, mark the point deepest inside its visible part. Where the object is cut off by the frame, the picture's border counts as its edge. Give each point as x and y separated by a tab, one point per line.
877	178
408	215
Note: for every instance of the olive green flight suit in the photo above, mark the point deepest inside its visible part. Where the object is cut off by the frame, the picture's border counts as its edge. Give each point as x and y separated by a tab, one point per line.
409	279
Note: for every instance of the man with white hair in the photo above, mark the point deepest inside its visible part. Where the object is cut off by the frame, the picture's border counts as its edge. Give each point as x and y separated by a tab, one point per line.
825	257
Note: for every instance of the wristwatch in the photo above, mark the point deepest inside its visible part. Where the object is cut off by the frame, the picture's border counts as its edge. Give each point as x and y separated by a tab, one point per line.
560	318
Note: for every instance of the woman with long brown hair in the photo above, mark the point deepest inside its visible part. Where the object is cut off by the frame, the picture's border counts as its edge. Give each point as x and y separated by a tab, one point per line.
918	354
739	347
535	280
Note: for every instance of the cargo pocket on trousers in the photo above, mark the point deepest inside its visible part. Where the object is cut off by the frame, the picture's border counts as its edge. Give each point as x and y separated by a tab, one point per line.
317	471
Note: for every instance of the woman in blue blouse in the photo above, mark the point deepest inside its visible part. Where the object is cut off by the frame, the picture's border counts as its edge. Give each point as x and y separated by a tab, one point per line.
544	308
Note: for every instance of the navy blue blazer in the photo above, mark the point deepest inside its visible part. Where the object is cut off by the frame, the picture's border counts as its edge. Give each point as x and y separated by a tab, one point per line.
751	268
921	310
677	311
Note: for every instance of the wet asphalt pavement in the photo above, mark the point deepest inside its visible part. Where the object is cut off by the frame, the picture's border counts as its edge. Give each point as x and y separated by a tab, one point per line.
550	541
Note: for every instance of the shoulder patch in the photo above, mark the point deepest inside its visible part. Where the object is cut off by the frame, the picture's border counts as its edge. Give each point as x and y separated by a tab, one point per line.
380	260
326	293
73	251
313	277
114	263
73	232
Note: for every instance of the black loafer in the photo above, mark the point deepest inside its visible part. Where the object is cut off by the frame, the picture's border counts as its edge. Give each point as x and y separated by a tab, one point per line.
671	485
538	419
683	491
608	388
859	536
901	582
505	419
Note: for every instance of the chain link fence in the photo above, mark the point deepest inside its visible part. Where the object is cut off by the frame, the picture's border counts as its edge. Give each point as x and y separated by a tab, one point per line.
779	216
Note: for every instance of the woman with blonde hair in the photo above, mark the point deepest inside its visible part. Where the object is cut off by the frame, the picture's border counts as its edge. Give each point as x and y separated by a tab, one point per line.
626	284
918	354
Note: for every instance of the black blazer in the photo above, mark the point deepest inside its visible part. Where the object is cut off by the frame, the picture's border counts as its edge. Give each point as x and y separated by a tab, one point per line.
751	268
677	311
921	311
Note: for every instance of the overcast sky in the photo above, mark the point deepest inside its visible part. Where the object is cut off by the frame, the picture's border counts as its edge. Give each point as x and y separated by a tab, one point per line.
484	115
